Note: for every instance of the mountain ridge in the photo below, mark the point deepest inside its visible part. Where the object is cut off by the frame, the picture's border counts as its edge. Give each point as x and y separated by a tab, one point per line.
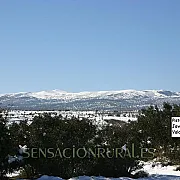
58	99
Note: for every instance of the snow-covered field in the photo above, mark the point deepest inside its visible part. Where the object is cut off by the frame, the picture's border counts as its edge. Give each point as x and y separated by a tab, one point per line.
159	170
93	115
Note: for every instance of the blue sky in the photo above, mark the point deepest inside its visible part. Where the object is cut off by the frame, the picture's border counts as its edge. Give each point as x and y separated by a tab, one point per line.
89	45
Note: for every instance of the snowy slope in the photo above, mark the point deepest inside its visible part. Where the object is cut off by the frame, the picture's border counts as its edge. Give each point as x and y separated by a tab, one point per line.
123	94
57	99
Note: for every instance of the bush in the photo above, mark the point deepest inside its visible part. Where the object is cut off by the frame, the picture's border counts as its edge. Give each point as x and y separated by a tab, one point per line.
5	148
141	174
58	132
153	130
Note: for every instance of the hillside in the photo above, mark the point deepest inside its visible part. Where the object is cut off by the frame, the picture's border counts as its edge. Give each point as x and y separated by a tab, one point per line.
110	100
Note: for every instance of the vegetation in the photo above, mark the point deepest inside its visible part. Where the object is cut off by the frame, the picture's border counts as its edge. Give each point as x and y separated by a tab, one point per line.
153	129
67	148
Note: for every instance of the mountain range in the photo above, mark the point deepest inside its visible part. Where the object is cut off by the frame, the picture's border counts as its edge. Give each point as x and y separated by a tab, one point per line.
99	100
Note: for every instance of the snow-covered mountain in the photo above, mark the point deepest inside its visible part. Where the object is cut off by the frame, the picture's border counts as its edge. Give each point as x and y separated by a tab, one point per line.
57	99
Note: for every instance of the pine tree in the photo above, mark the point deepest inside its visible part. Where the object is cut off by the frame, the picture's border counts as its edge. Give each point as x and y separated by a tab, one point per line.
5	146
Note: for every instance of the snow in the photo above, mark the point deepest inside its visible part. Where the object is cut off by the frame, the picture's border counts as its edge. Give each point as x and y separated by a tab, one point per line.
54	94
66	96
85	95
14	174
12	159
49	178
158	169
158	177
22	149
97	117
